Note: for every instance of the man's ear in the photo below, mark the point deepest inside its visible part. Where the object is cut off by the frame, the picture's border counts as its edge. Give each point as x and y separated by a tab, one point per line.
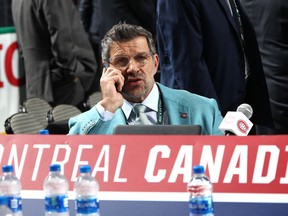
156	62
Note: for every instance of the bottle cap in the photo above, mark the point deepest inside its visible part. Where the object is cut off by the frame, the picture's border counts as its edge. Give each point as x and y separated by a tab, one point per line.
198	169
85	169
44	132
3	200
7	168
55	167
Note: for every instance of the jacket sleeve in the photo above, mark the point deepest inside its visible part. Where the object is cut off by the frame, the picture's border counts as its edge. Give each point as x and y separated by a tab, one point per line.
69	43
90	122
85	12
182	56
82	124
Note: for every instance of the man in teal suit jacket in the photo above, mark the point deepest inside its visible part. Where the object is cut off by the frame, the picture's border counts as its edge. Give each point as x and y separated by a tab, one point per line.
131	62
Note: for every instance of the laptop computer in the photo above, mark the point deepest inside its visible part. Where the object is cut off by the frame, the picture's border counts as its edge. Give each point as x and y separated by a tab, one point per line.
158	129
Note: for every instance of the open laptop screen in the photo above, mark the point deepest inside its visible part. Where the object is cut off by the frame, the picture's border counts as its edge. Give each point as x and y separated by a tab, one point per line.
158	129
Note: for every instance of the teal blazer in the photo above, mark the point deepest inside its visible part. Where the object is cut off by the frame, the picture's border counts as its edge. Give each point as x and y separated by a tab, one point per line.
181	108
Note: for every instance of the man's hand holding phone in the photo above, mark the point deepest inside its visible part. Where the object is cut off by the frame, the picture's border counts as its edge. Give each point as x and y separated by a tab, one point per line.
111	83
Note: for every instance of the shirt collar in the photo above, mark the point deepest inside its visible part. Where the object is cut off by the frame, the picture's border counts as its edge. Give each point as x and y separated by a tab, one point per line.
151	101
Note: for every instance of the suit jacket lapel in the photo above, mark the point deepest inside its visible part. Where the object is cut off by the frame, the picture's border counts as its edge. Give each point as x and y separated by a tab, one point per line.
178	115
185	115
226	10
173	113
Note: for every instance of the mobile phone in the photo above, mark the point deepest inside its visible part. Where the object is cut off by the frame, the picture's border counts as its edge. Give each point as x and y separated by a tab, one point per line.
105	65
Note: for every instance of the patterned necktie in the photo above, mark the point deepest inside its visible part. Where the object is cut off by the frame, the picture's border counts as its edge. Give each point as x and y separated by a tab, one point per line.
141	117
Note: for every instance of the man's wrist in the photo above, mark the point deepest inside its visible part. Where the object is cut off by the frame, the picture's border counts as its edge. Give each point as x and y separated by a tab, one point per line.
109	105
104	114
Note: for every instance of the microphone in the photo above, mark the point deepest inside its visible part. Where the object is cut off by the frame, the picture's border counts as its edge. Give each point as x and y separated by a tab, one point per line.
237	123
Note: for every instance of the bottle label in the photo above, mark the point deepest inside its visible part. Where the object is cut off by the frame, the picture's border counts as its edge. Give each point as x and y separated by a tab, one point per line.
56	203
201	205
14	203
87	206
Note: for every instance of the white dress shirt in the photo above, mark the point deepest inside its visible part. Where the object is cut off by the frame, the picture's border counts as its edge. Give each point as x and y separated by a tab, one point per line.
151	102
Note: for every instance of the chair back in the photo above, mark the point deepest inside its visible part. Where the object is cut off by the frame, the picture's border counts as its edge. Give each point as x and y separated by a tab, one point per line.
94	98
62	112
38	108
22	123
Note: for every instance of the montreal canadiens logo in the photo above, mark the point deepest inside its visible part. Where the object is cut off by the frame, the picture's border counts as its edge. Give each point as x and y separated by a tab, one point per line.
242	126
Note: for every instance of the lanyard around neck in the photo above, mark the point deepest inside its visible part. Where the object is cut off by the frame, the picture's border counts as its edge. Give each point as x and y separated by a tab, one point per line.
160	110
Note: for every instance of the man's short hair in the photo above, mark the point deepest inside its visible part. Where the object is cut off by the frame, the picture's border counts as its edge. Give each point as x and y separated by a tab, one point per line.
123	32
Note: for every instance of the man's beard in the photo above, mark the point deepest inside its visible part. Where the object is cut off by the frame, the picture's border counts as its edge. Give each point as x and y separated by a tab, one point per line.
137	92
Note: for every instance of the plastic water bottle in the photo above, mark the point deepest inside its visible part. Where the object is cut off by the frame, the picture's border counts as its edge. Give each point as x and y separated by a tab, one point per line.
4	209
200	190
10	188
44	132
56	188
86	193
